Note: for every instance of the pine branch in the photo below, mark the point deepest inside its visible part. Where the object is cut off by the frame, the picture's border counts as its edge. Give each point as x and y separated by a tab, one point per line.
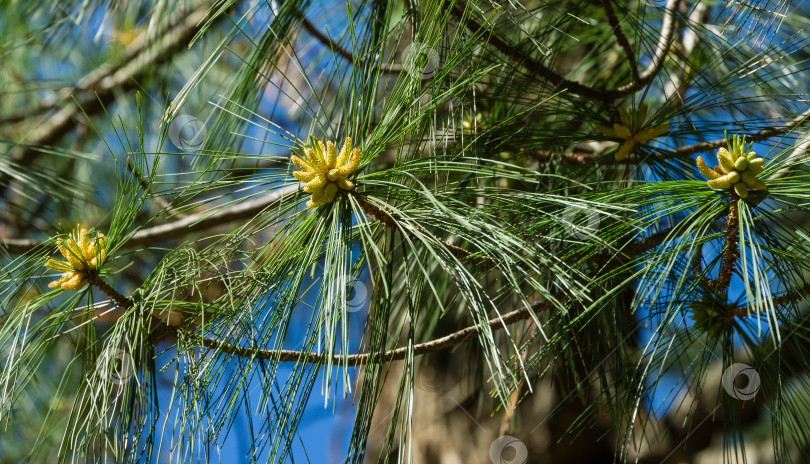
438	344
92	81
797	156
349	56
165	205
577	156
186	225
514	398
106	83
580	156
529	64
731	250
753	137
689	40
412	10
662	49
432	346
622	39
535	67
99	283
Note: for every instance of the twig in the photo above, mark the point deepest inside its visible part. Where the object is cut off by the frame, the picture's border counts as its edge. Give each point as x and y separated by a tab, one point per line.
533	66
648	243
92	79
322	38
796	157
105	82
583	157
576	156
697	262
391	355
741	311
731	249
413	15
98	282
515	396
755	137
661	51
622	39
438	344
688	40
157	199
641	245
186	225
529	64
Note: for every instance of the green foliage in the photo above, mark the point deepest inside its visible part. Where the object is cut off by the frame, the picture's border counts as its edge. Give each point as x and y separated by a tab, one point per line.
513	168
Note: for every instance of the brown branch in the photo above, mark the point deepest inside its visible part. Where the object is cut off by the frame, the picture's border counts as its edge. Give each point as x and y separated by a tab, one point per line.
98	282
400	353
92	79
583	157
165	205
642	245
324	39
741	311
412	10
646	244
796	157
245	210
189	224
649	242
511	407
731	250
754	137
391	355
703	147
282	162
664	43
577	156
432	346
622	39
688	40
635	248
105	83
438	344
535	67
529	64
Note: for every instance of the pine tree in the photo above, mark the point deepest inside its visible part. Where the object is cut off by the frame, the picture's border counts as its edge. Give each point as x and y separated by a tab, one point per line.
584	218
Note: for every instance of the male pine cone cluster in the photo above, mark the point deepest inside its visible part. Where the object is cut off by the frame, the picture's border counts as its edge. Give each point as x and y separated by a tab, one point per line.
738	169
84	254
632	131
325	171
